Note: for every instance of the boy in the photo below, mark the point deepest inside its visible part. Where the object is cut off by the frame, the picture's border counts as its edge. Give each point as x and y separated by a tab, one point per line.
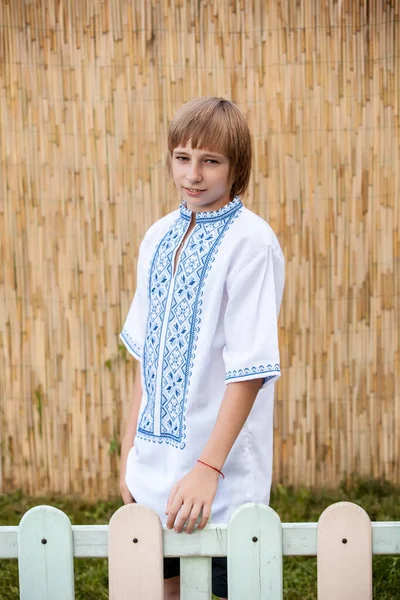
203	326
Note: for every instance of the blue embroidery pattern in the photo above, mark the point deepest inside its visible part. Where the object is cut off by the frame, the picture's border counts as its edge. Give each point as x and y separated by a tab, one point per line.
261	370
158	290
174	319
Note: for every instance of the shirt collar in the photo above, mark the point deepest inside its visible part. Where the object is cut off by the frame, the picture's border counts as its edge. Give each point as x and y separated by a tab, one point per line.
213	215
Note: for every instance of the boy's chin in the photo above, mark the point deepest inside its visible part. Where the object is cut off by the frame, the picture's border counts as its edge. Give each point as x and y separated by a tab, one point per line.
204	203
198	205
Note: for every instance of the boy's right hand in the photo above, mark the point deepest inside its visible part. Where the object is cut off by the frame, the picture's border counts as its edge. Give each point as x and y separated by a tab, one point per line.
125	493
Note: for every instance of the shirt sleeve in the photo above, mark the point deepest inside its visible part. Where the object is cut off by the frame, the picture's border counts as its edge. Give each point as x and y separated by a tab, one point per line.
134	329
251	320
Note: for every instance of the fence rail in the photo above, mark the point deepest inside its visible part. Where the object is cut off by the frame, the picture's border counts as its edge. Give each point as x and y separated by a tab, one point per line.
255	540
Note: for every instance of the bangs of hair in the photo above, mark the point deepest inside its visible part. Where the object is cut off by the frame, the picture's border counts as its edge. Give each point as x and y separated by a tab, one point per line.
217	125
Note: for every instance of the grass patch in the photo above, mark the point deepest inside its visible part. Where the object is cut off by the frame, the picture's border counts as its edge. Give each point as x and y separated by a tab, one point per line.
378	498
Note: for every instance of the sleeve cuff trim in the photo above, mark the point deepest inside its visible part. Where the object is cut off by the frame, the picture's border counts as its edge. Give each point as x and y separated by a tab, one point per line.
133	348
268	372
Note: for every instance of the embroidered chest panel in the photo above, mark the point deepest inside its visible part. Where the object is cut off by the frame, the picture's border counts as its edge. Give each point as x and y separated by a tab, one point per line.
174	321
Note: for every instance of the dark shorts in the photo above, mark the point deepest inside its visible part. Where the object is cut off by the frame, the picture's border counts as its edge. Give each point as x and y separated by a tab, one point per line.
219	574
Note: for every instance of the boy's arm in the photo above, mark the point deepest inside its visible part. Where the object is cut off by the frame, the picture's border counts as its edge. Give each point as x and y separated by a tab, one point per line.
127	441
196	490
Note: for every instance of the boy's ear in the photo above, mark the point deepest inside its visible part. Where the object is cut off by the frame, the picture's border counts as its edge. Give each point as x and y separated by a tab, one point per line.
168	164
232	182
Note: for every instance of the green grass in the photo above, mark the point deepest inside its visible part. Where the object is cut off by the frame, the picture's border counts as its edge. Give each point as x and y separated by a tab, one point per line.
379	499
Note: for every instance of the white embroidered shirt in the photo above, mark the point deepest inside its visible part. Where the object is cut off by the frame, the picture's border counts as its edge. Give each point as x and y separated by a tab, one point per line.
212	322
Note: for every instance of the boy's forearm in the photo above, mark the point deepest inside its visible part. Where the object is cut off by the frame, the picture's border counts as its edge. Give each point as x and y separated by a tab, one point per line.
130	432
131	426
236	405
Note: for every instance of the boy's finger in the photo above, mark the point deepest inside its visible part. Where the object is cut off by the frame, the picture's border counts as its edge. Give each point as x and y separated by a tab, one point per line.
182	517
171	518
173	511
171	498
206	516
194	515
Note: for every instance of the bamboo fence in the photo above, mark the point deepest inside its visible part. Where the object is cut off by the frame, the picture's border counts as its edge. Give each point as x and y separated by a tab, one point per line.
87	89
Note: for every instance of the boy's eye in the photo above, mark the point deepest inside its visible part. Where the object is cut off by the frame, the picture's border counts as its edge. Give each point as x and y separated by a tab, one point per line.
181	158
212	161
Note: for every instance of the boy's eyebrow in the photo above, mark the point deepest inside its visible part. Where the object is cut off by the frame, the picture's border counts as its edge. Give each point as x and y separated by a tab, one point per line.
203	153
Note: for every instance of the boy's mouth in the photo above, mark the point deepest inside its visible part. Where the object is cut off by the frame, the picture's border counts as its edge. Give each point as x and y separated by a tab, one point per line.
193	191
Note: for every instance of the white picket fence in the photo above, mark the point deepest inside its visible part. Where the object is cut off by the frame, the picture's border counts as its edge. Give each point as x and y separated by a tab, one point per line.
344	540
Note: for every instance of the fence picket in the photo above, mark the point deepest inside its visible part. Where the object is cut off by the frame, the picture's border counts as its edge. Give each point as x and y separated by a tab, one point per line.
344	553
45	555
195	578
254	547
135	546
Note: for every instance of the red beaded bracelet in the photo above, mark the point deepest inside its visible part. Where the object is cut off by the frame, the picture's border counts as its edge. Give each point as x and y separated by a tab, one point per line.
211	467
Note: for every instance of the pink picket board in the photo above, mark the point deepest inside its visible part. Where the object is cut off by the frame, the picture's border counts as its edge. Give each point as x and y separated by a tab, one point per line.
344	553
135	554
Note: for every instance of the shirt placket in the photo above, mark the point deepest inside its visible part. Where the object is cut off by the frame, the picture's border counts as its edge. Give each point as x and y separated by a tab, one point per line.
158	398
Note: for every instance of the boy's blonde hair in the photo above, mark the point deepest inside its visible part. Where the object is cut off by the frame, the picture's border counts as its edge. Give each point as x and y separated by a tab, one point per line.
214	124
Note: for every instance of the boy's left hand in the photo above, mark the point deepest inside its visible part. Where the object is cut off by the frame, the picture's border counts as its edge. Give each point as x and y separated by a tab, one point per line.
192	494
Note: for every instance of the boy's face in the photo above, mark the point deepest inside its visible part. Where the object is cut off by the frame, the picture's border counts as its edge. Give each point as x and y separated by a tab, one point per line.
201	177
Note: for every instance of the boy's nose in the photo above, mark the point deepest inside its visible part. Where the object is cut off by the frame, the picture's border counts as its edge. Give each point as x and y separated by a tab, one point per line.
194	173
